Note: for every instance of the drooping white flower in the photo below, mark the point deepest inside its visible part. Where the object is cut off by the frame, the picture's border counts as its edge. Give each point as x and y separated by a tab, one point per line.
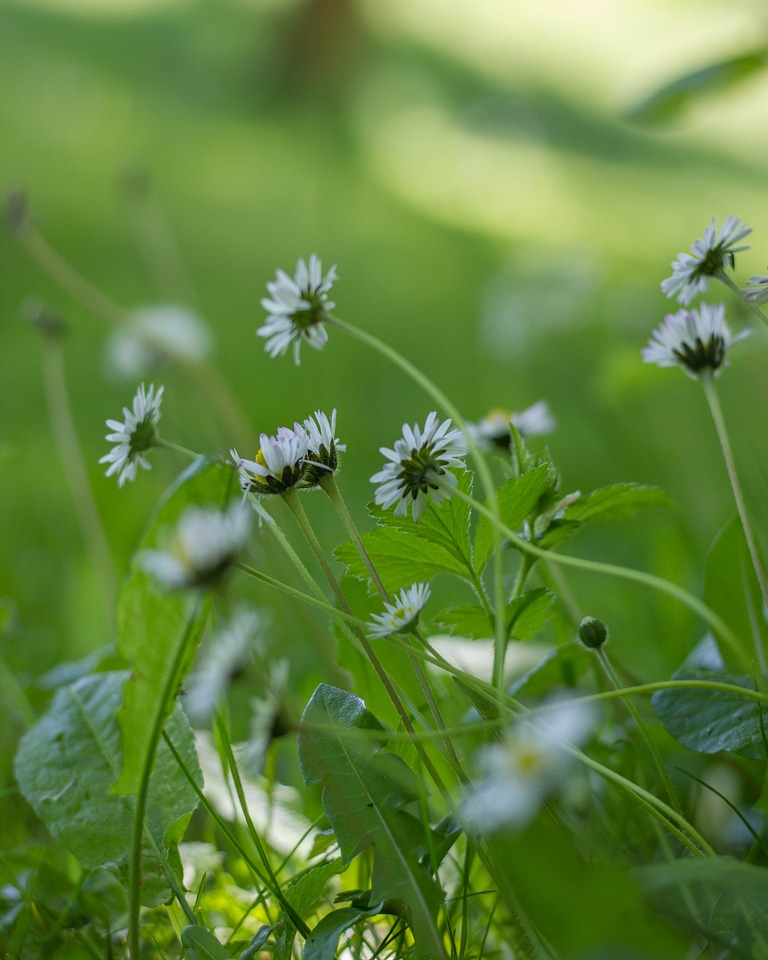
280	463
269	716
152	336
402	615
322	446
418	466
493	431
709	255
298	308
229	651
134	436
202	548
531	764
756	290
695	339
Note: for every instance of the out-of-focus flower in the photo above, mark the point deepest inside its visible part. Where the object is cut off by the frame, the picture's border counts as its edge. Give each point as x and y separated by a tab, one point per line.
694	339
269	716
322	447
298	309
230	650
204	545
402	615
153	336
531	764
418	466
133	437
494	429
280	463
756	290
709	255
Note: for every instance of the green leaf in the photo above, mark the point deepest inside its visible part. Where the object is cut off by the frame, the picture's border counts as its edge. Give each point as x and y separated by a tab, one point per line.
201	944
445	524
618	501
711	720
322	942
364	791
671	100
400	558
67	763
525	616
517	498
158	632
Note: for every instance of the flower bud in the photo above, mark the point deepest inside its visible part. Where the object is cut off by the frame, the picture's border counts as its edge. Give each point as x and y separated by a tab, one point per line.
592	633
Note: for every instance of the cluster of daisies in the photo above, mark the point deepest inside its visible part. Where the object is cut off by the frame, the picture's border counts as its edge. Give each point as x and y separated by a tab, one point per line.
698	339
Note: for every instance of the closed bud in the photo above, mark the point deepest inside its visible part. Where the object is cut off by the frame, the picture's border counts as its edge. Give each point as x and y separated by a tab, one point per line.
592	633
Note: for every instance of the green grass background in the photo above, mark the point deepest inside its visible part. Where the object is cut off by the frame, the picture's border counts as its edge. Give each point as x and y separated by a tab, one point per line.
506	231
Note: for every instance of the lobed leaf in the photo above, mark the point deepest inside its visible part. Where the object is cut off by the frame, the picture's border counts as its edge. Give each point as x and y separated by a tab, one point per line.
67	763
618	501
158	632
364	791
712	720
525	616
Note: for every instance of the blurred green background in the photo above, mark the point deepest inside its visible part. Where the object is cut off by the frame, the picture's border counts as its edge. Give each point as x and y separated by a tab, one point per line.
498	208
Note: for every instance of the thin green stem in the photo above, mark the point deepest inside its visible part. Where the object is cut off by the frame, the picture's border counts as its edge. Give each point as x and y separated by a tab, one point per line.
723	277
708	385
60	413
718	625
645	688
169	691
483	470
642	728
170	445
294	505
329	485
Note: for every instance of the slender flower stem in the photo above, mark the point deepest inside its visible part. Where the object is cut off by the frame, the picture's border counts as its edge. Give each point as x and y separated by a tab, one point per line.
171	685
607	666
293	502
625	573
170	445
500	636
708	385
60	413
723	277
329	485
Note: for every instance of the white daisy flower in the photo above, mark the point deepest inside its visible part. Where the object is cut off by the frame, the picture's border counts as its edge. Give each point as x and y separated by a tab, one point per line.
524	770
323	446
134	436
203	546
154	335
402	615
709	255
695	339
298	308
494	429
756	290
229	652
418	465
270	717
279	465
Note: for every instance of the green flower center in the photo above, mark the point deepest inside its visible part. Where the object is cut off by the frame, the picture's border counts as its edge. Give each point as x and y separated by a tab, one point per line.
419	473
700	356
143	437
715	261
315	313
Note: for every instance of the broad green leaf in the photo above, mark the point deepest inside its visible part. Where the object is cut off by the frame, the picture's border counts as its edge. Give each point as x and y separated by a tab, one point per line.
517	498
617	501
364	791
302	895
731	588
67	763
322	942
201	944
737	894
668	102
158	632
560	668
446	524
525	616
709	720
400	558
